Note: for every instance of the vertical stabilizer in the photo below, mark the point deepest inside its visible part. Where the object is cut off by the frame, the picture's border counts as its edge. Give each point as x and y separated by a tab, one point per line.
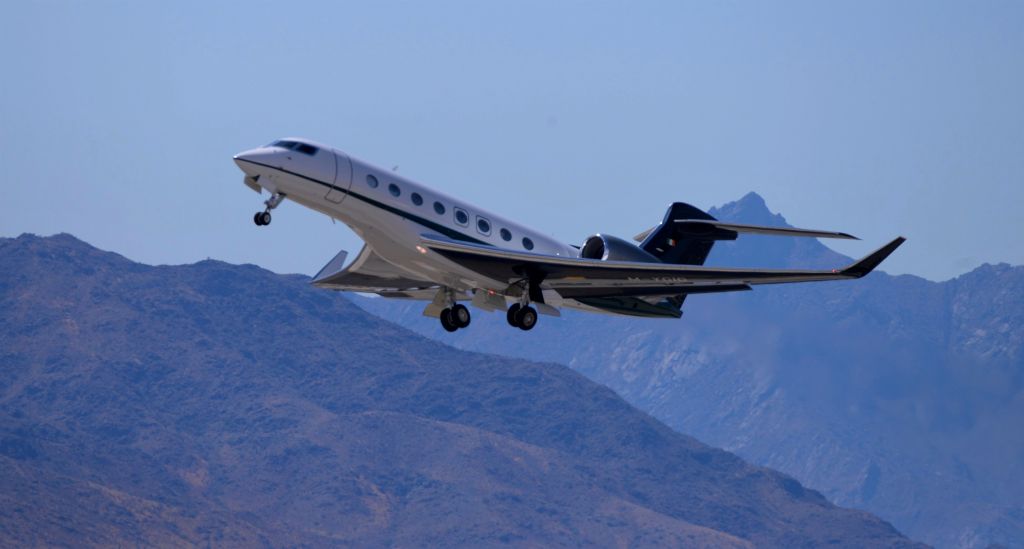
670	244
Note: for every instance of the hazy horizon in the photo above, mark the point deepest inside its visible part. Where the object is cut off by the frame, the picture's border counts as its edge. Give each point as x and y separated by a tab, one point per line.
120	120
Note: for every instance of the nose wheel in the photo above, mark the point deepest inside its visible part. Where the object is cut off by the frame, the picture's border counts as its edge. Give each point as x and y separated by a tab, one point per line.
263	218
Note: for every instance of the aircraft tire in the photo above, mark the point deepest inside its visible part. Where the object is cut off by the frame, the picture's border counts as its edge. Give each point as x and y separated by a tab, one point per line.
460	316
264	218
446	321
256	219
511	315
526	318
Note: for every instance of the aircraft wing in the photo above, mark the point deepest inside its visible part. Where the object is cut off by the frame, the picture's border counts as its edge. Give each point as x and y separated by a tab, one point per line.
372	274
571	276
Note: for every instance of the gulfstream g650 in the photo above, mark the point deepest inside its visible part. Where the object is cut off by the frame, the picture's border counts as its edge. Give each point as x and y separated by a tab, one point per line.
422	244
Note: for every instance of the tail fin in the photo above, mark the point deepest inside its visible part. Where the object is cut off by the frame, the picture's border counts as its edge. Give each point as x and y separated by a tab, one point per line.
669	243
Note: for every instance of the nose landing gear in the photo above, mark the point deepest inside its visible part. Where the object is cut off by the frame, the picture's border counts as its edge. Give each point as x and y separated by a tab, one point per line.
263	218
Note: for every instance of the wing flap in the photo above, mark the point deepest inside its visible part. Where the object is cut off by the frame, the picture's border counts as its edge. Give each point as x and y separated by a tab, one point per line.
649	291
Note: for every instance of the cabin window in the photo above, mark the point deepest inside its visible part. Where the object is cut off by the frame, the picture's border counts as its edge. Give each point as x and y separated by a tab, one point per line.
394	190
439	208
527	243
506	235
483	226
416	199
371	181
461	217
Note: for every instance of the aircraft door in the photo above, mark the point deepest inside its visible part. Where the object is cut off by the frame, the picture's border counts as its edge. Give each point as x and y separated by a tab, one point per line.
342	179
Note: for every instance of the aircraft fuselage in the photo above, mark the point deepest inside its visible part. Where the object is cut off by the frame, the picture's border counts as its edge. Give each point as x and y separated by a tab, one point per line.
391	213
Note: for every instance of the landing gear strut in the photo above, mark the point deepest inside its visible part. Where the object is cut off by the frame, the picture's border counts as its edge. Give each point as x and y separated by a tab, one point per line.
454	315
521	315
263	218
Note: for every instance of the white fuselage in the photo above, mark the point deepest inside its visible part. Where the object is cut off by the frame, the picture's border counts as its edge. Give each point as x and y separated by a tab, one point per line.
391	213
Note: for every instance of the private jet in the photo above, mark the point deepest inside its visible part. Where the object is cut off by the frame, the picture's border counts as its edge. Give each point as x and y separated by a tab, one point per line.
424	245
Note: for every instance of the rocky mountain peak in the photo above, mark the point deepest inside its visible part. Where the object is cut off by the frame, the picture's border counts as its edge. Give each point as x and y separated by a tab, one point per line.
751	209
767	251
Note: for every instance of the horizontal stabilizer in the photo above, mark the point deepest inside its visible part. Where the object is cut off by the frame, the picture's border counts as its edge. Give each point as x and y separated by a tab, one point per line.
699	227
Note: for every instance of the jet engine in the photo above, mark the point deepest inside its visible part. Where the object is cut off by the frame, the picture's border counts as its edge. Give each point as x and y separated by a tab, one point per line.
611	248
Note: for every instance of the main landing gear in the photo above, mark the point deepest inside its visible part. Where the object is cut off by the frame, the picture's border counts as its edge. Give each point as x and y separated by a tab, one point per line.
520	316
263	218
455	317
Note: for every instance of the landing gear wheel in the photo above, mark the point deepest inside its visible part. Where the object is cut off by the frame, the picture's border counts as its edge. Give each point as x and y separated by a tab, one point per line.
460	316
511	315
256	219
446	321
526	318
264	218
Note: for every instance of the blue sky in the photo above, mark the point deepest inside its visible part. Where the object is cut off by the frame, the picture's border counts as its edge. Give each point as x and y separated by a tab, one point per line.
118	120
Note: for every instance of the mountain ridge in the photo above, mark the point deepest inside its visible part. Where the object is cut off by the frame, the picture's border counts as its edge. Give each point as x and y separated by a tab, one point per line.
220	404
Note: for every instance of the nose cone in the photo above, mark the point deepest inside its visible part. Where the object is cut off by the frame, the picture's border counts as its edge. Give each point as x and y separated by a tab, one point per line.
252	160
247	158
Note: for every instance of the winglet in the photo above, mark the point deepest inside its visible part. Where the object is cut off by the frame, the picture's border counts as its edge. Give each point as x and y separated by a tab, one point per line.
870	261
332	268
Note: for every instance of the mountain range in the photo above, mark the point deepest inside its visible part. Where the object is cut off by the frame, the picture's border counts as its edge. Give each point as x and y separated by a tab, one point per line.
892	394
217	404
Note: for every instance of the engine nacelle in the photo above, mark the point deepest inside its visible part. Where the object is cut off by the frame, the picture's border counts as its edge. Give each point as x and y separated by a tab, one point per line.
611	248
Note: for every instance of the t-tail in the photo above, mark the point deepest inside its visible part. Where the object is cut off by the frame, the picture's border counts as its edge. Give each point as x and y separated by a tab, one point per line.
686	235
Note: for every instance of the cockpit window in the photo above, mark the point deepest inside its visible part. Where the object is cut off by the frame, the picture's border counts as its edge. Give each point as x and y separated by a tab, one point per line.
303	148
